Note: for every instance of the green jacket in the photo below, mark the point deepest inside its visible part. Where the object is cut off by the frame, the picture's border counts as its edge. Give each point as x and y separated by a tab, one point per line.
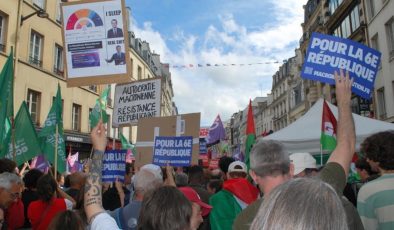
225	209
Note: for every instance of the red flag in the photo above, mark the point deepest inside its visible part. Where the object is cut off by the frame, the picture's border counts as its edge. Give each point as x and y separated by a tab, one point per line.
250	120
250	134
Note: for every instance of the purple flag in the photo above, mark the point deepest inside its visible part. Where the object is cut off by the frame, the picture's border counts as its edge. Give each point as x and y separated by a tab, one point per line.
238	155
40	163
216	132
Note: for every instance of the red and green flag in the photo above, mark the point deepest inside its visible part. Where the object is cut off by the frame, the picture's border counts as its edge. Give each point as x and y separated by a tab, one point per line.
328	139
250	134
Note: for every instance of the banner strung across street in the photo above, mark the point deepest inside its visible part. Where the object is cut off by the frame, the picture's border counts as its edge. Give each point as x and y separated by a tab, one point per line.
136	100
114	165
94	35
177	151
327	54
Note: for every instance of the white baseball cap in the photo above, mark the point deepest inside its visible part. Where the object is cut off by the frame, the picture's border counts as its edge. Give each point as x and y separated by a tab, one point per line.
237	166
302	161
156	170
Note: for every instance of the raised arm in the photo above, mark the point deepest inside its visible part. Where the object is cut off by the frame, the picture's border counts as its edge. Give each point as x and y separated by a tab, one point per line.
346	137
93	194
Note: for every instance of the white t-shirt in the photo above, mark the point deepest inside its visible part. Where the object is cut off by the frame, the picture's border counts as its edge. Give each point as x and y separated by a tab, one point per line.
103	221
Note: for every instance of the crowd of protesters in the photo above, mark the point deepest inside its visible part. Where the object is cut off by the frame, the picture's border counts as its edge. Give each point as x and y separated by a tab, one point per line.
278	191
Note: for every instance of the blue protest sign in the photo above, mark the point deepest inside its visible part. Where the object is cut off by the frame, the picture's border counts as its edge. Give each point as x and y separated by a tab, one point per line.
177	151
327	54
114	165
203	146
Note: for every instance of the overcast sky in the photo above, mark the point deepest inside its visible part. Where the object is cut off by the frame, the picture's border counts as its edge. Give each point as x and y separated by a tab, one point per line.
219	32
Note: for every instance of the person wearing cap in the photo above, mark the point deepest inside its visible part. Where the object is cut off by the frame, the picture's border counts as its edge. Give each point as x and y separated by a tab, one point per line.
304	164
237	193
199	208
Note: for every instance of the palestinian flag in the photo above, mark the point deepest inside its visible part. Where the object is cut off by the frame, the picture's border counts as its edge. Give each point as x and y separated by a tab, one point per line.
328	139
250	134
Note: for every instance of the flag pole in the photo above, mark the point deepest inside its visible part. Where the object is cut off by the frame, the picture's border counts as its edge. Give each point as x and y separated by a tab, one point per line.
13	139
113	138
321	155
56	143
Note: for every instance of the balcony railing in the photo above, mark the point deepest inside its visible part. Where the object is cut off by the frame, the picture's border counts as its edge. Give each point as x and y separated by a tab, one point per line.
35	61
58	71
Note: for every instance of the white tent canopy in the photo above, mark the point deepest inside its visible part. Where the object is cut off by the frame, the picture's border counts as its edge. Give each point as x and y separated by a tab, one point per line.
304	134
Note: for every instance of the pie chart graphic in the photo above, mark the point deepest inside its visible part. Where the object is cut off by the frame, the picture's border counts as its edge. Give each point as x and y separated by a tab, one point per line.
83	19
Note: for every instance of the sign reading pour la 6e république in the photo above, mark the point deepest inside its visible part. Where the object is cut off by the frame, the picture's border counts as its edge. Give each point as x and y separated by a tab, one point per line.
327	54
136	100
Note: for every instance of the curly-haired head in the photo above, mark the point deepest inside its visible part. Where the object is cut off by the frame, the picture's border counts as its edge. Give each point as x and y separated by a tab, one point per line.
379	148
32	177
46	187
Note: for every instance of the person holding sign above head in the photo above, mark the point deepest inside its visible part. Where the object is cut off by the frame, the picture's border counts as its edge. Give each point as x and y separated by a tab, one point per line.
119	57
114	32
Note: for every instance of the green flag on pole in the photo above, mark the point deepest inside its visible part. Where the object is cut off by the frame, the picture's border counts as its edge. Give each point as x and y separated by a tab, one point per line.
26	140
6	139
99	110
329	129
6	99
125	143
250	135
48	135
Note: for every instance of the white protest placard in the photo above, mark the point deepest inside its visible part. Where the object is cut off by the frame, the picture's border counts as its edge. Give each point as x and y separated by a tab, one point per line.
136	100
95	42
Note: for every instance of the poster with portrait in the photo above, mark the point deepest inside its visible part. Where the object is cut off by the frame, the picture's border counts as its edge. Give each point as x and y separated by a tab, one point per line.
95	42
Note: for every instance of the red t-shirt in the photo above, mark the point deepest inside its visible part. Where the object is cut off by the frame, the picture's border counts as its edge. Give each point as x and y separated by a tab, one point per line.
41	214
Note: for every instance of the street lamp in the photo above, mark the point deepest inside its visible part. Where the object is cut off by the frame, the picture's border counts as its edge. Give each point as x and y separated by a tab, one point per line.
40	13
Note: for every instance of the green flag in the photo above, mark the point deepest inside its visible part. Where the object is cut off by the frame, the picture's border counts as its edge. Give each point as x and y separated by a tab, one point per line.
48	135
6	98
329	129
250	135
101	105
6	139
26	140
125	143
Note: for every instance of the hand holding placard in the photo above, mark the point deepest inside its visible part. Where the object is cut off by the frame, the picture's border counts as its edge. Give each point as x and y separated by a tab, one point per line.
327	54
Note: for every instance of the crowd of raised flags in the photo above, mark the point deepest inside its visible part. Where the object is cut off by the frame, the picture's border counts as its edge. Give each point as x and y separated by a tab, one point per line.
19	140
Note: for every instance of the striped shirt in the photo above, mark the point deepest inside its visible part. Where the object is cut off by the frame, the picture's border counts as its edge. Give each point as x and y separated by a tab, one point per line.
375	203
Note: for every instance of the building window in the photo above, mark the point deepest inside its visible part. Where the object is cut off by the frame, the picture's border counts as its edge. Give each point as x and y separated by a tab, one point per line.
390	36
3	20
334	5
381	103
371	8
346	30
93	88
58	12
58	67
33	103
139	73
355	18
76	117
39	3
36	41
